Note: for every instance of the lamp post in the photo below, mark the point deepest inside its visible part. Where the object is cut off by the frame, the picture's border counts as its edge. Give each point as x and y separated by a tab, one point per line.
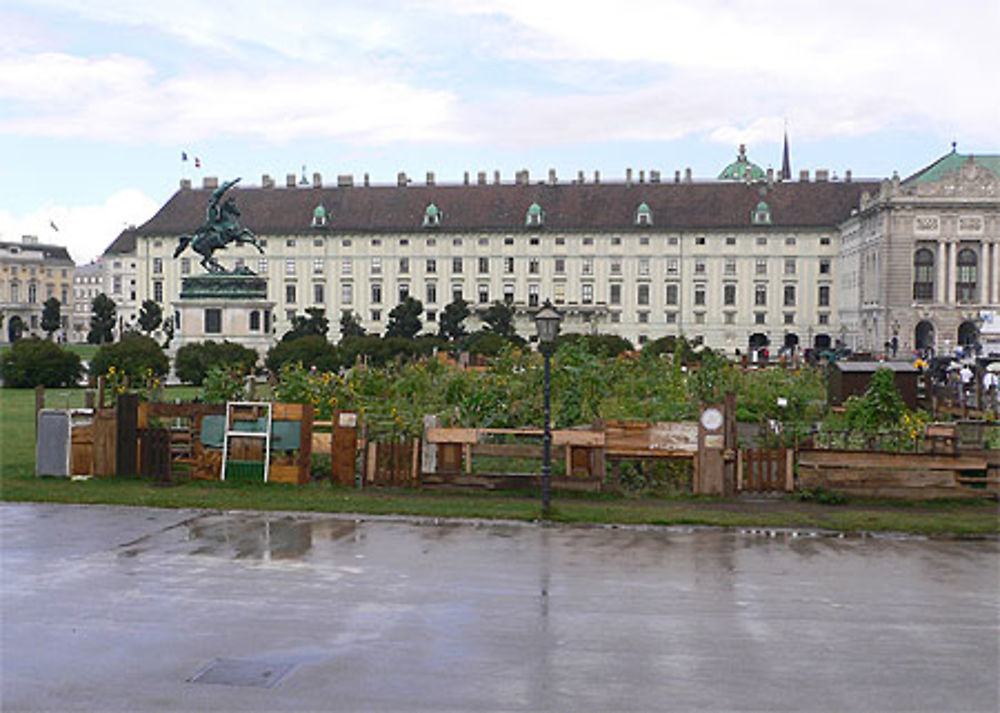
547	321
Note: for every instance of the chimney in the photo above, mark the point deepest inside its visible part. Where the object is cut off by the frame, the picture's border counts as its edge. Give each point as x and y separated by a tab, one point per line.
290	180
654	176
496	178
481	178
687	175
804	175
465	179
580	178
430	178
401	179
677	176
266	181
822	175
211	182
185	184
29	240
642	176
552	177
847	176
770	176
345	180
628	176
597	176
367	180
522	177
317	180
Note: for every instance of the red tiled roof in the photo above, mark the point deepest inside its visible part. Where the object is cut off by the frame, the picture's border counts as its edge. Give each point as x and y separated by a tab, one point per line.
604	206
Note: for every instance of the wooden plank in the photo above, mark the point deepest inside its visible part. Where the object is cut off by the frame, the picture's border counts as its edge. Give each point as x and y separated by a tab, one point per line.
626	453
589	439
863	459
789	470
506	450
322	442
451	435
288	412
279	473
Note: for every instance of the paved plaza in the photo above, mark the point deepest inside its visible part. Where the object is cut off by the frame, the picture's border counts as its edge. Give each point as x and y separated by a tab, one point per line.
136	609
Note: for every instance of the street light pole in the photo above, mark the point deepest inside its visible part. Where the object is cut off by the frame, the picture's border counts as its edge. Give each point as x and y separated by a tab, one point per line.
547	321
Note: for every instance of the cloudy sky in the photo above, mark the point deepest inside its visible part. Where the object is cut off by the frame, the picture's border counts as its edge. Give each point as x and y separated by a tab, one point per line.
99	99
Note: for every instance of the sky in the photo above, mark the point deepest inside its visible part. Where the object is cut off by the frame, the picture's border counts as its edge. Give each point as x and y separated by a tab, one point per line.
100	100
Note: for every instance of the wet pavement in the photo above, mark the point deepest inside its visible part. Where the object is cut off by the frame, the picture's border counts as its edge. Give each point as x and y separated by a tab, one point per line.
139	609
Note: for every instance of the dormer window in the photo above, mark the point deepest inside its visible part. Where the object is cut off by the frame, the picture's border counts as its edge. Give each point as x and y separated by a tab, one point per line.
320	217
643	215
432	216
761	215
535	216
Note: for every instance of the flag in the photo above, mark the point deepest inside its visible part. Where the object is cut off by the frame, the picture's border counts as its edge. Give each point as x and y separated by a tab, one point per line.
197	162
184	156
54	226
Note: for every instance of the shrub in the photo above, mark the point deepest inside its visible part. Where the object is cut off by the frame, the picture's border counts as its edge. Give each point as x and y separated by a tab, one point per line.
224	383
38	362
194	361
311	351
136	356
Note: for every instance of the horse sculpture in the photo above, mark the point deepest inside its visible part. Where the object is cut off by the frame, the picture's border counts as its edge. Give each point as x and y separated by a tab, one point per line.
220	228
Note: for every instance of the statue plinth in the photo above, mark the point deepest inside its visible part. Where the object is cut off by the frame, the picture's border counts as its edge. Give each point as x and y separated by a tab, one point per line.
229	306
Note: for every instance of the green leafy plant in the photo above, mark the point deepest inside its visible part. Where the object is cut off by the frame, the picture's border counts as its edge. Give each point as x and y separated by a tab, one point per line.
39	362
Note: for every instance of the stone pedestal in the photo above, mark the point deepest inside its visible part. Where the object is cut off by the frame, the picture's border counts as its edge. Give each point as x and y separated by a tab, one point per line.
226	306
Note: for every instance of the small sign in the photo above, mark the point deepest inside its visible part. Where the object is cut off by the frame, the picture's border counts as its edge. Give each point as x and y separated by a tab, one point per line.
348	419
714	440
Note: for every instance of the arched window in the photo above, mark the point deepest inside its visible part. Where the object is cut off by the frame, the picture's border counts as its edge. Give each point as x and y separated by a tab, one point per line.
432	216
761	214
643	215
320	217
967	285
535	216
923	275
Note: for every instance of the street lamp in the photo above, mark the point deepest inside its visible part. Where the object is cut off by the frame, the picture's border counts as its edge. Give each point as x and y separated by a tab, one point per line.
547	321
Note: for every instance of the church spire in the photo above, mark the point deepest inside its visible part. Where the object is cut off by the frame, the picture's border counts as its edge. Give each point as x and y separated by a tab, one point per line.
786	164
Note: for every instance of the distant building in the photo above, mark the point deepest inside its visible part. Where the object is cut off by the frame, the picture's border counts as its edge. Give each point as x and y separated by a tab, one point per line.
88	283
31	273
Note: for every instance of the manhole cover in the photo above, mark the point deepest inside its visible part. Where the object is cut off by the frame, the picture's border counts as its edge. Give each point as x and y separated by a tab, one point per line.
237	672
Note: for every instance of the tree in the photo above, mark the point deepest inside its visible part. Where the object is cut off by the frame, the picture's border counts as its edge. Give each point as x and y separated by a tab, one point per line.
194	361
136	355
499	318
313	324
312	351
37	362
150	316
51	316
102	320
451	323
350	325
404	319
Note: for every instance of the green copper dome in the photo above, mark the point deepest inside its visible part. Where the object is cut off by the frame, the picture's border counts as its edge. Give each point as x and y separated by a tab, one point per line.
742	169
319	212
432	209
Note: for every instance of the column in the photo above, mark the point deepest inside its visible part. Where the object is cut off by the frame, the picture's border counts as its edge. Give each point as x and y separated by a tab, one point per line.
940	291
995	278
952	272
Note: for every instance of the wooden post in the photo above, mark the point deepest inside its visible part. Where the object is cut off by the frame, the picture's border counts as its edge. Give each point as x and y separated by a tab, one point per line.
370	461
415	462
739	470
100	392
39	400
789	471
127	416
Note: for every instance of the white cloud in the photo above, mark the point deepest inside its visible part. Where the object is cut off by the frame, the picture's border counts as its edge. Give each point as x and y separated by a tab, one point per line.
85	229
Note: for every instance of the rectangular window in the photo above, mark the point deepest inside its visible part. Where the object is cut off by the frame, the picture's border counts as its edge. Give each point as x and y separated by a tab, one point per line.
456	293
699	296
790	266
673	267
642	295
456	265
508	241
789	295
318	293
261	266
824	266
730	266
790	241
157	291
673	293
615	295
588	266
508	294
699	266
700	240
824	318
730	240
616	267
699	318
559	293
116	284
403	290
484	266
560	266
317	266
588	241
560	241
587	294
762	241
671	317
318	243
376	293
186	265
760	295
157	265
290	293
432	266
824	296
431	315
346	293
760	317
346	267
508	265
376	266
213	321
760	266
533	266
644	267
643	317
290	266
404	265
729	317
431	292
484	294
616	241
533	295
729	295
789	318
376	315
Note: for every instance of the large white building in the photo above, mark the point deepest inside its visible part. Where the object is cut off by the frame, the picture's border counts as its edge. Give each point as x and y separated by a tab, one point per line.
741	260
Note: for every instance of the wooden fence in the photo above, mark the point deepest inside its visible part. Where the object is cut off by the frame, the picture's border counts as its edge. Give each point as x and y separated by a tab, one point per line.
765	471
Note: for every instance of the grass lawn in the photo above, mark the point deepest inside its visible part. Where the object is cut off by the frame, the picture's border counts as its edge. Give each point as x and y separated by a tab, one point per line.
17	483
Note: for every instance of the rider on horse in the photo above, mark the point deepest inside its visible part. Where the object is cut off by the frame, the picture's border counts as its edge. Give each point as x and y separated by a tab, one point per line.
220	228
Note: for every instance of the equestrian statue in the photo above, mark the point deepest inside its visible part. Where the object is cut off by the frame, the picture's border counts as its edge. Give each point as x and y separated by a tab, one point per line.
220	228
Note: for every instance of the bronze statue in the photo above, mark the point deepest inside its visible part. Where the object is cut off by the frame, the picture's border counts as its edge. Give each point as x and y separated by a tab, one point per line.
220	228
